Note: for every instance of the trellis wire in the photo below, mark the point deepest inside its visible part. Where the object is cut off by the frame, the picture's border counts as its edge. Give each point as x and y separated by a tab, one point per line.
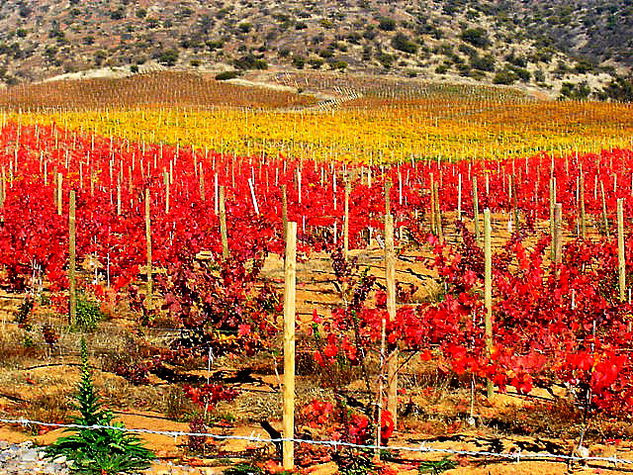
514	456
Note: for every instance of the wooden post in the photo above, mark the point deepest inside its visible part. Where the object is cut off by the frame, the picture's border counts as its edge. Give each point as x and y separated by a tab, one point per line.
216	195
621	262
60	199
558	233
388	196
251	185
348	187
432	204
299	189
488	290
581	202
552	199
335	202
438	213
284	208
381	382
605	218
202	190
118	198
392	361
459	197
290	269
552	208
167	180
476	208
224	235
2	188
72	261
515	203
148	238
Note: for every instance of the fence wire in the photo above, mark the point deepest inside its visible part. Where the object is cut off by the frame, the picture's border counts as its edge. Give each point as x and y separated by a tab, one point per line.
336	444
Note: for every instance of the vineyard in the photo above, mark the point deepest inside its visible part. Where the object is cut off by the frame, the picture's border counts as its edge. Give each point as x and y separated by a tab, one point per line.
449	277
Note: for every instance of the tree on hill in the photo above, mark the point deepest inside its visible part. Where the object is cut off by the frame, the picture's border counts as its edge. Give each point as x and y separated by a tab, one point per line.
477	37
401	42
620	89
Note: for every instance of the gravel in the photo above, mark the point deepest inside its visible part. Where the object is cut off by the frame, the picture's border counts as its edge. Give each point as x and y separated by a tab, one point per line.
26	458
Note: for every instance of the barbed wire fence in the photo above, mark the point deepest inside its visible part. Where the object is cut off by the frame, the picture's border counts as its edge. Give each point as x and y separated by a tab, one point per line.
516	456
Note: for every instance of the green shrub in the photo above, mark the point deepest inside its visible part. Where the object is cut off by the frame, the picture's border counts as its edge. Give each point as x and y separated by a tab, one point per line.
117	14
539	75
401	42
326	53
483	63
325	23
583	67
89	314
464	69
506	77
245	27
578	92
370	33
620	89
214	44
467	50
442	69
435	467
225	75
298	62
250	62
477	37
386	60
168	58
522	74
316	63
243	469
386	24
98	451
338	65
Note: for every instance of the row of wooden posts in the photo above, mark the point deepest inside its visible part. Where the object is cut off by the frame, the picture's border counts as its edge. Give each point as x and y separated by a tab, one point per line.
435	213
389	361
148	238
436	226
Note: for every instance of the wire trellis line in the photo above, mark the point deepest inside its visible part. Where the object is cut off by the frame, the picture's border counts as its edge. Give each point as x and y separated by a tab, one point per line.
513	456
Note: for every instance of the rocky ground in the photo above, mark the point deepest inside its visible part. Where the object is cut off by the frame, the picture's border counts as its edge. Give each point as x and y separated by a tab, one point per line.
27	458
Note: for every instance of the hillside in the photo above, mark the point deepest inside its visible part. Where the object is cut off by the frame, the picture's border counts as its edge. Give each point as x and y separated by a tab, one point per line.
528	42
597	30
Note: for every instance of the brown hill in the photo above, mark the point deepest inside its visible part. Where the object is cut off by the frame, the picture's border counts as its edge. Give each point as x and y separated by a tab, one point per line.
545	44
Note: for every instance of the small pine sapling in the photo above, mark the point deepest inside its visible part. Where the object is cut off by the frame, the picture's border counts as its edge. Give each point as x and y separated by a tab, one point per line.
98	450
